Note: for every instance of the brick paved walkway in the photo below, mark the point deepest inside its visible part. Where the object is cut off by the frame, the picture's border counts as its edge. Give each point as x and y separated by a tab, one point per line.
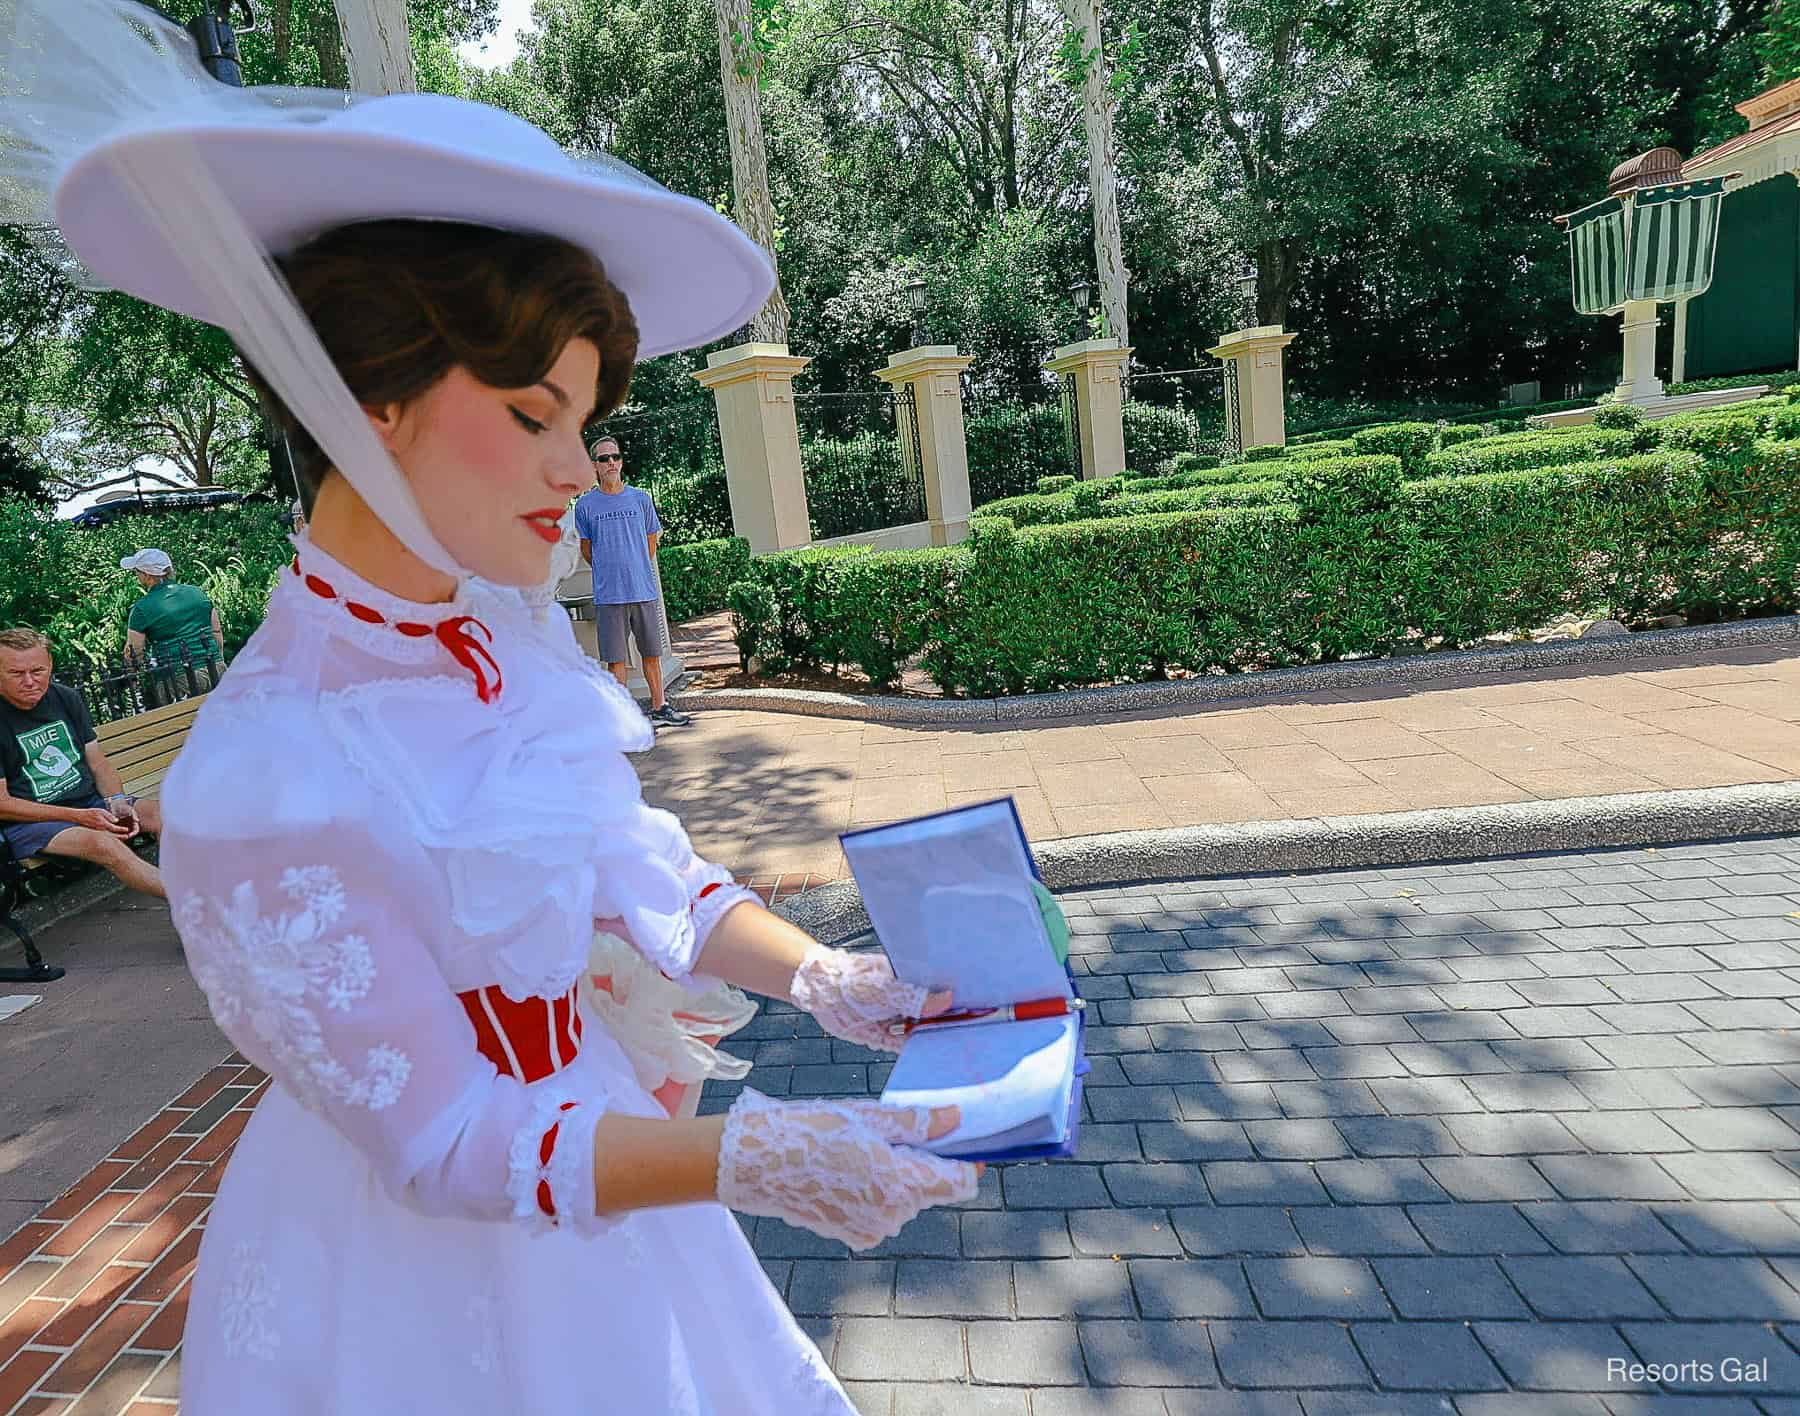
1370	1142
768	793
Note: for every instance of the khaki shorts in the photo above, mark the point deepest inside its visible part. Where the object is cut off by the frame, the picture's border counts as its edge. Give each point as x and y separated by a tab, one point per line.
613	622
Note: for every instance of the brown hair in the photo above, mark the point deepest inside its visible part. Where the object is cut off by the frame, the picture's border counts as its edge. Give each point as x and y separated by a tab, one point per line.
22	640
398	304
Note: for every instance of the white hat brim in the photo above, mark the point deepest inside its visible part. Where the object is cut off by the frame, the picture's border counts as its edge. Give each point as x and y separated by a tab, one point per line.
691	276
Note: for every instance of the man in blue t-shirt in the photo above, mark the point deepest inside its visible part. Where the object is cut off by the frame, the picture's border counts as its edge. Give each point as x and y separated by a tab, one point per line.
619	530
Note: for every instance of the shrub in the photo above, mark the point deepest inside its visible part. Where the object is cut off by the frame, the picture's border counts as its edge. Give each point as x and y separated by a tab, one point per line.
1010	445
1455	434
1193	461
1518	452
1412	443
1725	432
1153	433
697	577
755	615
1618	415
1313	451
1267	453
692	506
1049	486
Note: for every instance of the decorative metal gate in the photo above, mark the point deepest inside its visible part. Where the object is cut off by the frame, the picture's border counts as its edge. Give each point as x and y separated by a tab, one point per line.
1016	435
1170	411
861	458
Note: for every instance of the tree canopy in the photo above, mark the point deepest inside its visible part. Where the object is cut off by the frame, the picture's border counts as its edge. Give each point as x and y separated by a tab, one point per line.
1390	167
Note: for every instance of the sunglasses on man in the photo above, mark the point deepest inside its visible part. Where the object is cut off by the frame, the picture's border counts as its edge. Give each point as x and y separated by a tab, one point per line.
609	457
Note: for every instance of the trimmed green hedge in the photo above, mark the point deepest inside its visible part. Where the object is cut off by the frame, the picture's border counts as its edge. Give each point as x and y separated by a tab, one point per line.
1412	443
696	577
1312	452
1518	452
1359	561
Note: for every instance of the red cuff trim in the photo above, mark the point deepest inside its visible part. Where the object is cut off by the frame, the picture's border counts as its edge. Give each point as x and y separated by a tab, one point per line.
546	1201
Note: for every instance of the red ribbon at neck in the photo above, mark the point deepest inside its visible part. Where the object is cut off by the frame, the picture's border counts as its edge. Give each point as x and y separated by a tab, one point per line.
472	653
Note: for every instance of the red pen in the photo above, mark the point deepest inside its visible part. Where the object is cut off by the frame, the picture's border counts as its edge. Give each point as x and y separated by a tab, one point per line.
1008	1013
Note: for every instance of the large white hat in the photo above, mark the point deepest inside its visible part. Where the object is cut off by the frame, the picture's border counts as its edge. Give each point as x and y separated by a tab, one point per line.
149	560
690	275
178	189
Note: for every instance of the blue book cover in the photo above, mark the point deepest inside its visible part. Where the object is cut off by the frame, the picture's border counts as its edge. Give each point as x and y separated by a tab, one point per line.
953	899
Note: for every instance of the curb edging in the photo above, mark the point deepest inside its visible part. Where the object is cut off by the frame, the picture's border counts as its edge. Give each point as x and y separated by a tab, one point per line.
1224	688
833	913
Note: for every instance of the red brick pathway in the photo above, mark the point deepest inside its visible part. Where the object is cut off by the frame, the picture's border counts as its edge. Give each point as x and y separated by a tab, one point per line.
93	1291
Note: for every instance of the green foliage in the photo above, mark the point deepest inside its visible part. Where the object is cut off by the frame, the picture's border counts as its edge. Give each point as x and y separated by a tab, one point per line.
1193	462
65	580
1154	434
1358	562
1776	382
1517	452
1010	445
1724	432
692	506
1618	415
1456	434
1267	453
1312	452
1049	486
697	577
1412	443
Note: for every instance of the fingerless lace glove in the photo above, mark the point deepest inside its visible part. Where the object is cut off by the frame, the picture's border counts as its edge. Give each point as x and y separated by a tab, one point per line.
854	996
843	1169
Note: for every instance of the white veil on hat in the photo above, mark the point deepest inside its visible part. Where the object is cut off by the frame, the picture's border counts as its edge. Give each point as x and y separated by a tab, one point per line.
174	187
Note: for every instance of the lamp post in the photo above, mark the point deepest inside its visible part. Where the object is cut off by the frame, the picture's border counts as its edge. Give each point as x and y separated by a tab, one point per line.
1081	291
214	38
915	302
1247	292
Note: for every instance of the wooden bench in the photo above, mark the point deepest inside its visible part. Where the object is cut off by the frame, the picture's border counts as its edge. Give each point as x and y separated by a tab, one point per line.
141	747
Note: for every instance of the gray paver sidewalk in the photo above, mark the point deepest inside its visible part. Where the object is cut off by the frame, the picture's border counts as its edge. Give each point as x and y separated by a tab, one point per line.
1446	1138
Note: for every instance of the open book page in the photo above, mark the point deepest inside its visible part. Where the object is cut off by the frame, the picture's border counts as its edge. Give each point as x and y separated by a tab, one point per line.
951	900
1006	1077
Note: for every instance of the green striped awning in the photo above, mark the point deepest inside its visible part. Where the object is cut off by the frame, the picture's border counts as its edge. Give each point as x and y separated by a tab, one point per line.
1656	244
1674	231
1597	257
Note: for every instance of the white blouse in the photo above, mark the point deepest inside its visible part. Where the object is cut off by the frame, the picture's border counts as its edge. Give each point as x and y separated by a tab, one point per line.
386	804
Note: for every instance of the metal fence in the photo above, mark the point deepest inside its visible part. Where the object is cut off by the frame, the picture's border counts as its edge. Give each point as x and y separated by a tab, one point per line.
1171	411
860	455
1017	435
120	688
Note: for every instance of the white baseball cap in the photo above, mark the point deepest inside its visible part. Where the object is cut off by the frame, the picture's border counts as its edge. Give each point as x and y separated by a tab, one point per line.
149	560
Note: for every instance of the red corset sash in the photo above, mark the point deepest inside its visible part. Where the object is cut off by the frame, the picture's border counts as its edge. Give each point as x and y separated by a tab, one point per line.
530	1040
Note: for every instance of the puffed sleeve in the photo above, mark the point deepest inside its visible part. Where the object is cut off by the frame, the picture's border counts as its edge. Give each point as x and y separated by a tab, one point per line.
666	896
308	941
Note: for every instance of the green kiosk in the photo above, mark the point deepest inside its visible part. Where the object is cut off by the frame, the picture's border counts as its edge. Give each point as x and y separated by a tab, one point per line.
1748	321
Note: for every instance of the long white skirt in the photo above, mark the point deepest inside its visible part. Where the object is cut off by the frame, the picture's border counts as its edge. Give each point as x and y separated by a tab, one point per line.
317	1295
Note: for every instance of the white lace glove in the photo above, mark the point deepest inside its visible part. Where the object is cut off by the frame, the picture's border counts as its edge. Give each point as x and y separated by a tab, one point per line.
854	996
843	1169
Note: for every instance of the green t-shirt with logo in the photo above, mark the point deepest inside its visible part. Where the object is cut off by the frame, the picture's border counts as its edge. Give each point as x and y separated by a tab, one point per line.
170	616
41	747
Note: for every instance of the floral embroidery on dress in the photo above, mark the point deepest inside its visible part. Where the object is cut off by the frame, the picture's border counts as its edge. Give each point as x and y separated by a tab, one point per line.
246	1304
274	970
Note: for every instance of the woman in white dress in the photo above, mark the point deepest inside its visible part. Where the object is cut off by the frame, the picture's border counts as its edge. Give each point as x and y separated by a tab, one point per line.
398	818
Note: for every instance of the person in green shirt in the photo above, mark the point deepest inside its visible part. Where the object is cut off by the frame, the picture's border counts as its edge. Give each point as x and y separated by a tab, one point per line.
171	618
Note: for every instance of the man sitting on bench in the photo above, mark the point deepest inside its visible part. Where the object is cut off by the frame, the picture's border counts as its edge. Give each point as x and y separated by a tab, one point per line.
61	797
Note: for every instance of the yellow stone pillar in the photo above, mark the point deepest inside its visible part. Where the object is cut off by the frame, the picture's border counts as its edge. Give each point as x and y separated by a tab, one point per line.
754	387
1098	367
934	374
1261	383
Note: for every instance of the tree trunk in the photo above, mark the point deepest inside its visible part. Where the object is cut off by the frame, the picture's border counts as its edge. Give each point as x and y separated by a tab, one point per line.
322	34
740	66
281	33
378	43
1097	108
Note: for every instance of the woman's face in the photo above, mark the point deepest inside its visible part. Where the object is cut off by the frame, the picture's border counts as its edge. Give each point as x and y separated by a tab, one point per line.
494	468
